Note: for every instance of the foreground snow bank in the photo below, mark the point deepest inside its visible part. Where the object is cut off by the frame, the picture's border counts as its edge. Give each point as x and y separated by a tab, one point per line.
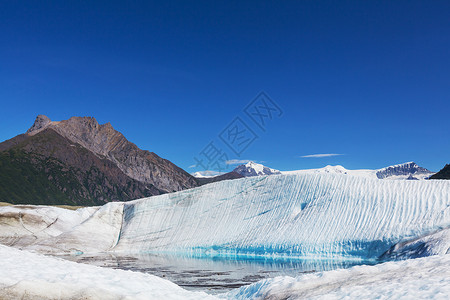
25	275
422	278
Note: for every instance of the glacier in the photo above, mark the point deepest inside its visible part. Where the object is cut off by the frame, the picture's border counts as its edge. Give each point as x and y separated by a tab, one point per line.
305	215
298	215
325	217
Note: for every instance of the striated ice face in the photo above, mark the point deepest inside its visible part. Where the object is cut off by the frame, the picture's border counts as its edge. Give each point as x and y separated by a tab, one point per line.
305	215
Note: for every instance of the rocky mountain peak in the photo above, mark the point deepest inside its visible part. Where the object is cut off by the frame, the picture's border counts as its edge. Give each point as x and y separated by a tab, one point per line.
40	123
106	142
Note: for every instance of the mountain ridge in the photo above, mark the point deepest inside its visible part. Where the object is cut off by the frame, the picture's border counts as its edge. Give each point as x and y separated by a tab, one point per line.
104	140
81	162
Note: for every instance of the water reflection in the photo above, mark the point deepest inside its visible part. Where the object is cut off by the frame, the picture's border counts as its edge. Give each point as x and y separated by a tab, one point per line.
213	275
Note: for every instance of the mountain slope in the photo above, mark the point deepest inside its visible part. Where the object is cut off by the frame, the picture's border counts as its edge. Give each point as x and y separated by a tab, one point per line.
80	162
226	176
442	174
104	141
46	168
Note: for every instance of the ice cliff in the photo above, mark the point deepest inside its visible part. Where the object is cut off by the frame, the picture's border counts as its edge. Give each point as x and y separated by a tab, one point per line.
304	215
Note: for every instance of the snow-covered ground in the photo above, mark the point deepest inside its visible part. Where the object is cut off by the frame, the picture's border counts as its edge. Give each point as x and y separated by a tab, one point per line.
27	275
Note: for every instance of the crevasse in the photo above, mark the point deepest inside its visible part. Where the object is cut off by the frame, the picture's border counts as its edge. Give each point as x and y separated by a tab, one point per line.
303	215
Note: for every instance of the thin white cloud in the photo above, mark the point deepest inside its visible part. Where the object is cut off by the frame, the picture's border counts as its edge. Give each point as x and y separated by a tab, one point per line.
237	161
320	155
192	166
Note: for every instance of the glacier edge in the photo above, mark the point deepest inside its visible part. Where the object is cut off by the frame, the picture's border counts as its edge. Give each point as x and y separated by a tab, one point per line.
302	215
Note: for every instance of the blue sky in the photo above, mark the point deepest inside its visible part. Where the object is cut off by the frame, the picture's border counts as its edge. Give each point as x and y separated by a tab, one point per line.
368	80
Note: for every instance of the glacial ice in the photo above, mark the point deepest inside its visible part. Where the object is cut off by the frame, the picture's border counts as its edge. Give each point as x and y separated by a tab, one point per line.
303	215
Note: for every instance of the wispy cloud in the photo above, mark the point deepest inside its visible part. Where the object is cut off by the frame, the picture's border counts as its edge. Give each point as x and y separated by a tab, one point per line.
192	166
320	155
237	161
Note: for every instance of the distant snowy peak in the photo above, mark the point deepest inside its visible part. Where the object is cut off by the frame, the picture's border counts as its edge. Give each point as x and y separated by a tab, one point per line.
254	169
206	174
409	170
406	171
333	169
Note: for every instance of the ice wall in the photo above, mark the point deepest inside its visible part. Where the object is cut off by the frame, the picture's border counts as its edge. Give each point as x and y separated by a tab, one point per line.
306	215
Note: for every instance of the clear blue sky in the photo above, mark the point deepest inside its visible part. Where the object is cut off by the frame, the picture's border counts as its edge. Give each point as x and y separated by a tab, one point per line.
366	79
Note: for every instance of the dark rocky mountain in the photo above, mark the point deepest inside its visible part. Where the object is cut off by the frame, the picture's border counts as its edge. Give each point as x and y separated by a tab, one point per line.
226	176
80	162
410	169
442	174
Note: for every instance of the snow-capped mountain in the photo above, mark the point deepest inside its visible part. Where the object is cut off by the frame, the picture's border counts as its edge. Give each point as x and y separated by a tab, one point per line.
253	169
206	174
405	171
409	170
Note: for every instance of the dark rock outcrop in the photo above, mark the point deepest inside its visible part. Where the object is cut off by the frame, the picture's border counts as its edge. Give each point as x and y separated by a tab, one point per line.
226	176
442	174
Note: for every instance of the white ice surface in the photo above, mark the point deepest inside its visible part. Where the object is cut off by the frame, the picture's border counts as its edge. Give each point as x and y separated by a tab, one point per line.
308	215
435	243
98	233
22	225
25	275
422	278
